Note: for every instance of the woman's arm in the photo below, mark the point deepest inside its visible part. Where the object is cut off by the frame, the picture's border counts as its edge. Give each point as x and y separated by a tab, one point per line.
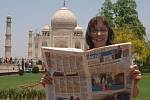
136	76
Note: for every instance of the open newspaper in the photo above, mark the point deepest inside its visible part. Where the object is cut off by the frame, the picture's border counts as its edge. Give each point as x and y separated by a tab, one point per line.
89	75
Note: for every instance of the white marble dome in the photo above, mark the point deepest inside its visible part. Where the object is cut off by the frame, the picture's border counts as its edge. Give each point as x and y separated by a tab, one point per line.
78	29
63	19
46	28
9	16
30	30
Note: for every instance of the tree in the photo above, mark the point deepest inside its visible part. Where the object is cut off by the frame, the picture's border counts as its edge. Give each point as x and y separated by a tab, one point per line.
126	15
147	38
123	17
107	11
139	49
123	14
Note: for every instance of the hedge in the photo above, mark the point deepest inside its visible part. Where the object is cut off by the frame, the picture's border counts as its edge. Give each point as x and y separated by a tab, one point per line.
22	94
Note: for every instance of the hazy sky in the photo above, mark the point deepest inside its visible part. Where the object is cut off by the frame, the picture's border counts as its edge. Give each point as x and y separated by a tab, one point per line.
27	14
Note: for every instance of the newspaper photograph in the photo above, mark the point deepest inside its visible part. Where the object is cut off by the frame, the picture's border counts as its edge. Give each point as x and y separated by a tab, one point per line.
96	74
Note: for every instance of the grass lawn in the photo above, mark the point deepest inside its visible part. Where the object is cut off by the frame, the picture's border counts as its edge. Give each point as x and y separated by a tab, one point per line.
13	81
16	80
144	88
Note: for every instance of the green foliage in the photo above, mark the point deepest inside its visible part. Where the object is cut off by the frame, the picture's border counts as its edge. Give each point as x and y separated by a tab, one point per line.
3	94
147	63
123	14
139	49
107	11
126	15
21	72
128	27
22	94
35	70
145	70
39	62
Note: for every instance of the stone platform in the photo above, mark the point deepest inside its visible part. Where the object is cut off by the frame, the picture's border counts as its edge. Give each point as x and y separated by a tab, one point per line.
8	68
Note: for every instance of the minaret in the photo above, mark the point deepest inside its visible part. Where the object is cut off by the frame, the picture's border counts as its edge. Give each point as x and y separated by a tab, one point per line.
30	45
8	38
64	3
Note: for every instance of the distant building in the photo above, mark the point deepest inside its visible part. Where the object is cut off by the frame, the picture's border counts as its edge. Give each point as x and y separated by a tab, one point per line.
63	32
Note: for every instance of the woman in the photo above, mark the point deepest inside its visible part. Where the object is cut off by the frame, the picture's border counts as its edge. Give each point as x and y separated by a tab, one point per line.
99	34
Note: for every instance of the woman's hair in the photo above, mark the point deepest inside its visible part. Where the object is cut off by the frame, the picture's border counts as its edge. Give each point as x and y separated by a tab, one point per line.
91	26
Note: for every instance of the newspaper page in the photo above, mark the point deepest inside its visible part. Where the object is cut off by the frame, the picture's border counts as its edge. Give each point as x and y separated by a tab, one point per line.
96	74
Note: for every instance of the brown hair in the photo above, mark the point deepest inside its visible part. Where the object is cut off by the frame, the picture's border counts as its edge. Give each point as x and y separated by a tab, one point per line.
91	26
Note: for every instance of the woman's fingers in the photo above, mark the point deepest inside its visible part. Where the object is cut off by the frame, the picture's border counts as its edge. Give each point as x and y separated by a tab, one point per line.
46	74
134	67
46	79
136	72
42	82
136	76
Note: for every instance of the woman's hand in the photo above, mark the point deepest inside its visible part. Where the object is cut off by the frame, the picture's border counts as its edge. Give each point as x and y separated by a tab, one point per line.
46	79
136	76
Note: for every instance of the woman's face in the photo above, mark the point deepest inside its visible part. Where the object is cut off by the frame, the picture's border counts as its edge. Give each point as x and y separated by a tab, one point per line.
99	35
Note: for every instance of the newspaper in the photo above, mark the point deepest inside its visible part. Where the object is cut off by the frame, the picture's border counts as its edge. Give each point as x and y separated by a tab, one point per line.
93	74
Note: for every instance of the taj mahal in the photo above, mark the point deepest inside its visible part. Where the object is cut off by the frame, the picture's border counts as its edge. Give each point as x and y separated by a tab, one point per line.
63	32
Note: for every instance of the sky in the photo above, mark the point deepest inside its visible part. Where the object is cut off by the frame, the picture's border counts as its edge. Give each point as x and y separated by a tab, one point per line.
35	14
